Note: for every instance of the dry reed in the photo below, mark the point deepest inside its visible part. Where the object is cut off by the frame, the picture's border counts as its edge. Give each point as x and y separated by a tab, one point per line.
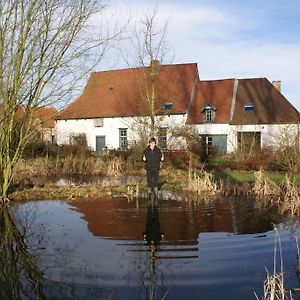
264	187
268	193
274	284
202	183
114	167
291	198
83	165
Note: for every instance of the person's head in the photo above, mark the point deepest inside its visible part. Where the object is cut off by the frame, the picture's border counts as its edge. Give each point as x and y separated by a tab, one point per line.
152	142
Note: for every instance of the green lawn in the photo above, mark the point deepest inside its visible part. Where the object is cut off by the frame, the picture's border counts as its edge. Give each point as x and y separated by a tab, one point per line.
242	176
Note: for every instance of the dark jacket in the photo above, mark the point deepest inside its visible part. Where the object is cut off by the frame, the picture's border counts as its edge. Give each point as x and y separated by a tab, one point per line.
153	158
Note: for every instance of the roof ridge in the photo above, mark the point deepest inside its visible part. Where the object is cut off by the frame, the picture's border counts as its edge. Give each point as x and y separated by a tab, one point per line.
210	80
232	78
141	67
250	78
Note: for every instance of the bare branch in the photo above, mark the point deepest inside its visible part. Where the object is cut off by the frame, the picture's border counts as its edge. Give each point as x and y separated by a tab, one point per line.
45	51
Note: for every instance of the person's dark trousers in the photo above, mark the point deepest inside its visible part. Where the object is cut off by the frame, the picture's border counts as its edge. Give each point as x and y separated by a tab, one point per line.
152	178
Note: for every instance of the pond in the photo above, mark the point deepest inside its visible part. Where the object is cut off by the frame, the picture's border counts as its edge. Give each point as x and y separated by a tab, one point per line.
109	248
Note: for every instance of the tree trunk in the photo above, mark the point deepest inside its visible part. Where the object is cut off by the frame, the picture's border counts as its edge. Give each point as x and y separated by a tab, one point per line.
5	180
37	50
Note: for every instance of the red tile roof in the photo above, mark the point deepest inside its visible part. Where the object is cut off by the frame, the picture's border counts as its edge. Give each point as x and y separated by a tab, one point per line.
229	97
270	105
119	93
217	93
45	115
123	92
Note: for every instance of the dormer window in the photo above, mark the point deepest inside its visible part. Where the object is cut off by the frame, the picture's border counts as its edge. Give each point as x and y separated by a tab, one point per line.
249	107
209	113
167	106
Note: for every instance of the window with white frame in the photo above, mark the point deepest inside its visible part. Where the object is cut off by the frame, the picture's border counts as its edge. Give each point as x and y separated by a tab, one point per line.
78	139
123	142
209	114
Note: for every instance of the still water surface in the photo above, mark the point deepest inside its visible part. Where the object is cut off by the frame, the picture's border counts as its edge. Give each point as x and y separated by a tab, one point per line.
109	248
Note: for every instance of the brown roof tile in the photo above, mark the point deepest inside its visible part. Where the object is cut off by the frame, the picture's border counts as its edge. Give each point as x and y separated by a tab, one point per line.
217	93
45	115
270	106
123	92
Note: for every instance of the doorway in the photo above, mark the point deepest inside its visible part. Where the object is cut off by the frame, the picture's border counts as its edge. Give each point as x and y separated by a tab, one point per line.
100	143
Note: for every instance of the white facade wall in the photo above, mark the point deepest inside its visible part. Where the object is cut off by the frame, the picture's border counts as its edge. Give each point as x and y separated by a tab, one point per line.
274	135
218	129
233	132
65	129
271	134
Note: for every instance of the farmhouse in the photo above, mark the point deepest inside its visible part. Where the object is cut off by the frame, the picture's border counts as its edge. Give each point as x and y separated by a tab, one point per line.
113	110
241	113
42	120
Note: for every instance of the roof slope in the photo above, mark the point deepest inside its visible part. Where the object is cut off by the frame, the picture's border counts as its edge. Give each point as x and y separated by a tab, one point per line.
270	105
217	93
45	115
229	100
124	92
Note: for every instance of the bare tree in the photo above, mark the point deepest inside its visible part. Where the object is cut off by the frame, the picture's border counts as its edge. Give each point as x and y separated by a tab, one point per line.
150	45
45	49
287	148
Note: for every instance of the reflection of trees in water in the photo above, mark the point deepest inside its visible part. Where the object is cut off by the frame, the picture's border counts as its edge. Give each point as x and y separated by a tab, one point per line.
151	269
19	276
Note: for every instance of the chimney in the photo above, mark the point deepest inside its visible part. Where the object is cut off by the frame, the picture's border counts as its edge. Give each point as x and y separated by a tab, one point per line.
277	85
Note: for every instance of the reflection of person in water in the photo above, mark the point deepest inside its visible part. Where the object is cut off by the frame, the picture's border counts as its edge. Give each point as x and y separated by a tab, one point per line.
152	234
152	157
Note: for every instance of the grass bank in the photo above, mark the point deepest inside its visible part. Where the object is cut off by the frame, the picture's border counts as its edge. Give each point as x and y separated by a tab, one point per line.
248	176
54	192
31	173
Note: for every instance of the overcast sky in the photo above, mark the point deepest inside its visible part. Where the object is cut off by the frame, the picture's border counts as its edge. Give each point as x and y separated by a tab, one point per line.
229	38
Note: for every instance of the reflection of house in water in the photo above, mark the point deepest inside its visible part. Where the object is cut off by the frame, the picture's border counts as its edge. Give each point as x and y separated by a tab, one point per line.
155	238
154	235
180	221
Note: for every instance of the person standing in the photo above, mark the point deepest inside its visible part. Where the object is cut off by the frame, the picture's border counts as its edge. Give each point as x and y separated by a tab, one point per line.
152	156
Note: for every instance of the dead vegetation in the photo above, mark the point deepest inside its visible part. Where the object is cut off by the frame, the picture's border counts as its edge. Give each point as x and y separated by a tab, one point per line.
54	192
228	188
202	183
114	167
285	197
70	165
291	198
264	187
274	285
